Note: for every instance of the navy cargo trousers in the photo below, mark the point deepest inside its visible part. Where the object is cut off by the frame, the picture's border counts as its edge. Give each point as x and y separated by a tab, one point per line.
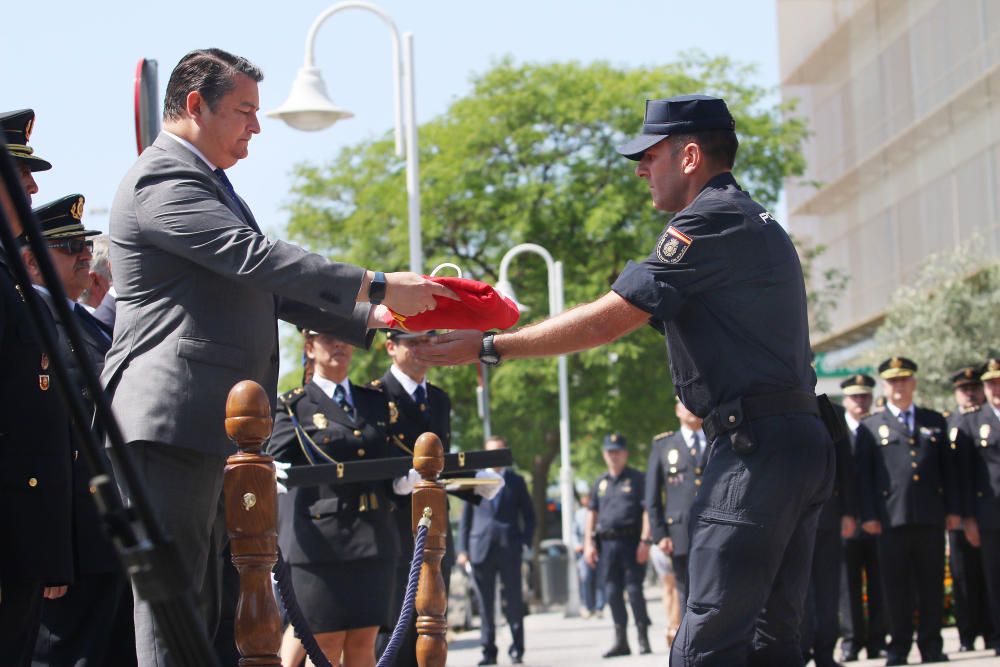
753	530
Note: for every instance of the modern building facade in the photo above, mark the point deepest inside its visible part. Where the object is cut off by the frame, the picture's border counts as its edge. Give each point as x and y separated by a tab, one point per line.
902	98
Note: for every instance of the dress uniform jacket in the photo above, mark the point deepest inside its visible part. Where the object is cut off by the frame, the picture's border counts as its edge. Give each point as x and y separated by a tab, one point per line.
334	523
35	452
978	435
672	480
907	478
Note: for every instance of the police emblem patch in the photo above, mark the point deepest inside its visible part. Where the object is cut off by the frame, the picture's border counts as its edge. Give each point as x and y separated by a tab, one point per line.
602	488
984	431
883	431
393	413
319	420
672	246
672	457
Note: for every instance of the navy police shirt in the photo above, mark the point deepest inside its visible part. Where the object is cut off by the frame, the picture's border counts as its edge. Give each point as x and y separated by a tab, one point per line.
619	501
724	285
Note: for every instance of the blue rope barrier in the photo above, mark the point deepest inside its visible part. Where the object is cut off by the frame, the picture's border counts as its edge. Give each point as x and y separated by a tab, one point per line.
295	616
406	613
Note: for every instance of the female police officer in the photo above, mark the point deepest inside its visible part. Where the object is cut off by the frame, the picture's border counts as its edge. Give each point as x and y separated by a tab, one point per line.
339	540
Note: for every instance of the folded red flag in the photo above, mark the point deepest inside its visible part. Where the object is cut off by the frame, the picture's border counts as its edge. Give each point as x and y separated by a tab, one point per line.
479	307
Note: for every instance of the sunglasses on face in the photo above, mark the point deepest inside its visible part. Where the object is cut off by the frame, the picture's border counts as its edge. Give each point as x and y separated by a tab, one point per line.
72	246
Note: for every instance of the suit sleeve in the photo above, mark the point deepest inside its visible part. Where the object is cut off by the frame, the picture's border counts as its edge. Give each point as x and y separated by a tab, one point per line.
847	487
865	448
353	330
179	211
464	526
283	444
527	513
655	494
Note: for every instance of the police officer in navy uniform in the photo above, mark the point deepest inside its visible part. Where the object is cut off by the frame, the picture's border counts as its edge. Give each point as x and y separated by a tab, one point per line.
724	284
978	438
92	623
966	564
339	540
910	495
837	520
676	464
617	541
36	560
415	407
859	629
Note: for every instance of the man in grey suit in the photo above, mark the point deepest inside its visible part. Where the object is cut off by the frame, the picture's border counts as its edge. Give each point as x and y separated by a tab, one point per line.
199	291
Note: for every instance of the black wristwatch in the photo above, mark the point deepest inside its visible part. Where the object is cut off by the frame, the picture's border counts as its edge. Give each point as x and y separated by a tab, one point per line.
488	353
376	289
647	540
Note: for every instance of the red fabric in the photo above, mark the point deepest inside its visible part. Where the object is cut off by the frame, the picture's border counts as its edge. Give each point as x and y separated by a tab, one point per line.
480	307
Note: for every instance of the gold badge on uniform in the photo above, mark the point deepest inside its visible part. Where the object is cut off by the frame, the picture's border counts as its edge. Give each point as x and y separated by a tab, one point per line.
883	431
673	457
43	382
76	210
953	433
45	362
984	431
393	413
319	420
602	488
627	486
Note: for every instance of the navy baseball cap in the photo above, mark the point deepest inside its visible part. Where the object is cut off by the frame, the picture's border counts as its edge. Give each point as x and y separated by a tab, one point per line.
614	442
684	114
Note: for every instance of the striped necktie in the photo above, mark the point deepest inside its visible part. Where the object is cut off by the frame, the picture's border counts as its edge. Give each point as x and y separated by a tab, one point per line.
340	397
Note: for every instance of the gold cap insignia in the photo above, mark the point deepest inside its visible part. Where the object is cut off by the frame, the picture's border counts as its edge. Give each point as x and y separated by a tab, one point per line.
28	128
76	210
614	438
319	420
968	373
895	362
858	379
672	456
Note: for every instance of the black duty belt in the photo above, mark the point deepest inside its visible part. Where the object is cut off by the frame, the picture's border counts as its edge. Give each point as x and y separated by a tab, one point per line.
729	415
624	534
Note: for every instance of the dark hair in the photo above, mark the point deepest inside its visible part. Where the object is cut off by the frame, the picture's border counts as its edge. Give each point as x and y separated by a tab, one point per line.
497	438
211	72
719	146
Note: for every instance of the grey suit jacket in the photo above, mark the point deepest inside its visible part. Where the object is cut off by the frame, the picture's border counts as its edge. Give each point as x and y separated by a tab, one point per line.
199	295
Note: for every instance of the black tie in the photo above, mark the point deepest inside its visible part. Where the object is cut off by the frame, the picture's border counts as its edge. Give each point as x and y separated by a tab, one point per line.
340	396
221	173
96	329
420	397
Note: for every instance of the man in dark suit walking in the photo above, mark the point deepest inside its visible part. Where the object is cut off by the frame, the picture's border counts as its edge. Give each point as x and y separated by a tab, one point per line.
200	290
492	536
909	497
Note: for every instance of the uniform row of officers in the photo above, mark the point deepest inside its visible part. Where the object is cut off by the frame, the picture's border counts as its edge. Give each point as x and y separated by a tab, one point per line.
908	479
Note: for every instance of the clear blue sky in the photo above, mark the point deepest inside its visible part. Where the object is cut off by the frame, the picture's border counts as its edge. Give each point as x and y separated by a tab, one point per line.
73	62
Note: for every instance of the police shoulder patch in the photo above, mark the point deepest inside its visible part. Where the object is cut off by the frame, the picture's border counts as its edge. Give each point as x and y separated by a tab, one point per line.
661	436
672	246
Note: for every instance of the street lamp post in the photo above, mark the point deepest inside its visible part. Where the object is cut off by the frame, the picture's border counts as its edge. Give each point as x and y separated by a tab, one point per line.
565	466
309	108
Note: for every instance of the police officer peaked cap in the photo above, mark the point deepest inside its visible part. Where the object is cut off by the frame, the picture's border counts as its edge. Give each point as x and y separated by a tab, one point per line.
858	384
614	442
684	114
17	126
400	334
63	218
897	367
966	375
991	369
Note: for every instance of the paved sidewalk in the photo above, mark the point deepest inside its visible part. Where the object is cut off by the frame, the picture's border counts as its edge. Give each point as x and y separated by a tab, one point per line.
555	641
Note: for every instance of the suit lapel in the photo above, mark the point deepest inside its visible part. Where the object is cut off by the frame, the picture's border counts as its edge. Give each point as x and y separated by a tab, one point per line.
404	401
327	405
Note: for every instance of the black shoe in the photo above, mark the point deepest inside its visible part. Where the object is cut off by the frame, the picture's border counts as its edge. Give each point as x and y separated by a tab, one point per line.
891	662
643	635
964	648
621	644
938	657
848	657
487	661
516	660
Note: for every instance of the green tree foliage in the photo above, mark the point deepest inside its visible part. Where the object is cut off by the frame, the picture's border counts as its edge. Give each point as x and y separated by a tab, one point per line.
943	320
529	156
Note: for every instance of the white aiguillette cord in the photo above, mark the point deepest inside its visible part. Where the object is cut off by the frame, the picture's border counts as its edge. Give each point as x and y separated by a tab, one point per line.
447	265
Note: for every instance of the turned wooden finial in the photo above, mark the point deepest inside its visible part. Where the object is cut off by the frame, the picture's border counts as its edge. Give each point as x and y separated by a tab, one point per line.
248	416
252	521
432	599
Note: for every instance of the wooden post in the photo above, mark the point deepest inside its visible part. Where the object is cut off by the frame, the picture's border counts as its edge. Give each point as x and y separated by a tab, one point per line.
252	521
432	600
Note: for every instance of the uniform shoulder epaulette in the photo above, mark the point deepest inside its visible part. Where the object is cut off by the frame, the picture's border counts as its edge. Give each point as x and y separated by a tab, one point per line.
375	384
371	386
290	397
970	409
946	414
661	436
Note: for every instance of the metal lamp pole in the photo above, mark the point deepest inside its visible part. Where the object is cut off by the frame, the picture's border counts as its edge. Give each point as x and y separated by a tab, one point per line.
503	286
309	108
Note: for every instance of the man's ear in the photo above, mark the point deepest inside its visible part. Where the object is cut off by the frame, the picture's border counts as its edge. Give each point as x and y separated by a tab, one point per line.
31	264
692	157
194	104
